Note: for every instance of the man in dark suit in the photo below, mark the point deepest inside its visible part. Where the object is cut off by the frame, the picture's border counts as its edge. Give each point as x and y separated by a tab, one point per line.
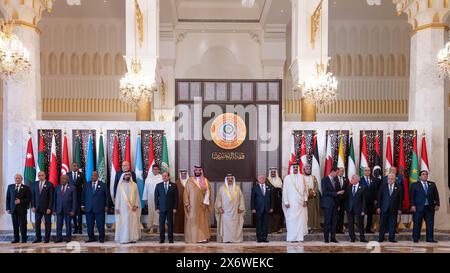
389	205
95	203
355	204
424	201
329	204
18	199
77	179
42	195
341	182
372	184
125	168
65	206
166	203
262	202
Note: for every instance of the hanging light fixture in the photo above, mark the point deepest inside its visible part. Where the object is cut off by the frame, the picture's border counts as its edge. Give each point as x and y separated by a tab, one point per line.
14	56
248	3
322	88
135	87
443	61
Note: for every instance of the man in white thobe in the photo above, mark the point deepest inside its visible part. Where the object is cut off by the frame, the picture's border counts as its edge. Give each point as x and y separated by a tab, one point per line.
148	196
127	211
230	209
295	201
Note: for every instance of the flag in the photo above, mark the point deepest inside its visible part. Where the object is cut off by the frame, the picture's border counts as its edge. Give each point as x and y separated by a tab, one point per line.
341	155
351	160
65	158
151	156
114	165
41	153
77	152
377	167
329	158
414	168
90	164
363	160
303	156
53	172
165	155
101	161
29	174
401	164
388	163
128	150
293	154
139	170
424	155
315	170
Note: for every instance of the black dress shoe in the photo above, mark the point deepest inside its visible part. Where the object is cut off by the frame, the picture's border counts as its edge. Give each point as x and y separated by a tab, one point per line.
101	241
431	241
15	242
352	240
259	241
370	231
68	240
334	241
90	241
393	241
161	241
265	241
363	240
24	241
80	231
37	241
327	241
58	241
380	241
46	241
170	241
415	241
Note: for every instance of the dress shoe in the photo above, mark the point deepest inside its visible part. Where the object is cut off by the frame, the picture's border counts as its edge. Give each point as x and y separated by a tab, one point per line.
161	241
80	231
265	241
416	241
58	241
327	241
90	241
24	241
380	241
170	241
101	241
352	240
334	241
393	241
363	241
69	240
46	241
15	242
431	241
37	241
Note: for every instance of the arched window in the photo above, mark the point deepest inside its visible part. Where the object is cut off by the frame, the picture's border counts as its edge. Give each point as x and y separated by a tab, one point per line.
74	64
85	64
369	66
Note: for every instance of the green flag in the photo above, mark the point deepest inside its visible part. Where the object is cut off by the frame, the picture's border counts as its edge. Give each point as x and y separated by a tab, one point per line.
414	168
165	156
351	170
41	153
101	161
77	152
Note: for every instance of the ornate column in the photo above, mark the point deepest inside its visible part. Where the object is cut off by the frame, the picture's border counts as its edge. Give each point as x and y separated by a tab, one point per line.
427	93
21	94
306	46
142	34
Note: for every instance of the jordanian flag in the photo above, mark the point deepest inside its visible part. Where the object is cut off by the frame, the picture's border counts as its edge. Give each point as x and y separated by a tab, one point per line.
165	156
351	160
414	168
29	174
363	160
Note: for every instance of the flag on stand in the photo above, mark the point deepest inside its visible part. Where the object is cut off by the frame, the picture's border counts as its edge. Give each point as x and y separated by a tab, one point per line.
315	170
165	155
328	158
424	155
53	172
401	164
292	155
114	165
363	162
128	149
151	155
101	168
90	164
414	168
388	162
377	171
41	153
29	174
341	155
77	152
65	158
303	156
351	160
139	170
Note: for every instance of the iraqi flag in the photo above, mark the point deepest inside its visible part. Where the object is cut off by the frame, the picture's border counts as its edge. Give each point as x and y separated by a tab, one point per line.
388	161
303	156
328	158
401	164
292	154
363	162
29	174
53	171
377	170
114	165
315	169
424	155
65	158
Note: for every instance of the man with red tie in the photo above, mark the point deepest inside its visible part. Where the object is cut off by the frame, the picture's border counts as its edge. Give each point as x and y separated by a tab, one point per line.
64	208
42	195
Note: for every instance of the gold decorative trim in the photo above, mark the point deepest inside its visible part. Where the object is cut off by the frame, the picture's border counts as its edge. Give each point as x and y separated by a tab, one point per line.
26	24
315	20
76	105
430	26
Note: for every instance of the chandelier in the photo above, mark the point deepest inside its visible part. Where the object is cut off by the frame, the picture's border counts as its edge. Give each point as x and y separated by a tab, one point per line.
14	57
443	61
248	3
322	89
135	87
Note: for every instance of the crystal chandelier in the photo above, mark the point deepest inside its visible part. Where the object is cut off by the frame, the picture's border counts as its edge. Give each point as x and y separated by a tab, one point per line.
248	3
322	89
14	57
443	61
135	87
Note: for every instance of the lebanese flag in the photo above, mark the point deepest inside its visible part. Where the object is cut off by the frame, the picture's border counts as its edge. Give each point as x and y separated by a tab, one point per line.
53	171
315	170
329	158
128	150
151	156
402	170
363	163
292	155
303	156
424	155
114	165
388	161
65	158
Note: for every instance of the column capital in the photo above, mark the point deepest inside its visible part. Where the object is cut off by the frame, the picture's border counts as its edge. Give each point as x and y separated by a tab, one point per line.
26	13
424	14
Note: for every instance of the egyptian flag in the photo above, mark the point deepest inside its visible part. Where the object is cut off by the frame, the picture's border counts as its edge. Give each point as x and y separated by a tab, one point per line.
401	164
303	156
53	172
424	155
315	169
377	173
388	161
329	158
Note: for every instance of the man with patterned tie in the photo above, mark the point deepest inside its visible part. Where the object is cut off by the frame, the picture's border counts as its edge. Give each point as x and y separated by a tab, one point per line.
424	200
355	204
64	208
166	203
389	205
18	197
42	196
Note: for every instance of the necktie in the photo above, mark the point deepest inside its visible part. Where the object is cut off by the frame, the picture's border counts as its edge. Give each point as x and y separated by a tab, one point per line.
354	190
425	186
263	189
340	181
64	189
165	187
17	188
368	181
94	185
40	186
390	190
74	176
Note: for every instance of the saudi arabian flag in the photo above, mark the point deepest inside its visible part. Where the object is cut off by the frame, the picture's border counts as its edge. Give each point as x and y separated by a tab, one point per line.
351	160
165	156
101	161
414	168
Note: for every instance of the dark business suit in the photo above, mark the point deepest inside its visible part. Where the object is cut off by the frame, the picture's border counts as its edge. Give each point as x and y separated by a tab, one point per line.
94	202
65	203
329	204
425	199
117	178
341	203
389	204
42	200
399	183
79	183
262	203
355	204
166	200
373	185
19	211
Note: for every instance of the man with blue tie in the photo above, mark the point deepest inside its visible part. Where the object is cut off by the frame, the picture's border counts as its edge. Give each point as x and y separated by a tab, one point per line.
18	197
262	202
355	204
329	203
424	201
42	195
389	205
64	208
166	203
95	203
